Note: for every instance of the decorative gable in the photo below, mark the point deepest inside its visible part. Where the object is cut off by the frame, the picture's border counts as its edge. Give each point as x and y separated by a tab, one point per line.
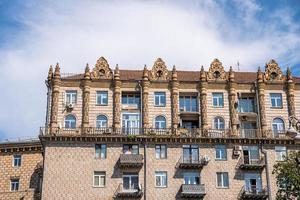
159	71
216	71
273	71
102	70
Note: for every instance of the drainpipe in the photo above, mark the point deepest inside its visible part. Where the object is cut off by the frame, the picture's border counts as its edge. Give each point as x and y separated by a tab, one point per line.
145	172
267	171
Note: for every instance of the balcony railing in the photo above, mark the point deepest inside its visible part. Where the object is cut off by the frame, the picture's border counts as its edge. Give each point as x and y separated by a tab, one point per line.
250	164
180	132
131	160
192	191
252	193
190	162
131	192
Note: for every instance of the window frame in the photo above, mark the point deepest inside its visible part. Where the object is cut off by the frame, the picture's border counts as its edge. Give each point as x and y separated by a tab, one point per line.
160	122
221	147
101	174
282	150
219	120
99	95
75	120
130	146
278	131
71	93
134	96
160	102
191	106
101	121
102	147
223	186
159	148
156	174
218	99
14	184
19	160
279	97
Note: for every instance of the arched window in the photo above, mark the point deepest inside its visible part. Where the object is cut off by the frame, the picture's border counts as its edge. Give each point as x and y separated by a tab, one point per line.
278	126
219	123
70	122
101	121
160	122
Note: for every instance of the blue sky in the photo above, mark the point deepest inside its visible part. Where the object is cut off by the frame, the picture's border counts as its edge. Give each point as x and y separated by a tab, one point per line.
36	34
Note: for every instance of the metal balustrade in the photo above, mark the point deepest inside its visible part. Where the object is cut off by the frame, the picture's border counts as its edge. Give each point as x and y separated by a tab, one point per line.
250	164
131	192
252	193
195	190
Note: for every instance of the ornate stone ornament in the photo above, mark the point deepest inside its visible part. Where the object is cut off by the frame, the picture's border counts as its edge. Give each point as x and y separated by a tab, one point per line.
159	71
102	70
216	71
273	71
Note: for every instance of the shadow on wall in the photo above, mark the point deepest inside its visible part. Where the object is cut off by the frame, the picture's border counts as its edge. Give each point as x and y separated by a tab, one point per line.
36	180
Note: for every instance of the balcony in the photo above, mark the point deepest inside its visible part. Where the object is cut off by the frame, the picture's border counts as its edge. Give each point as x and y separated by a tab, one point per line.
191	163
253	193
135	193
250	164
131	161
249	133
192	191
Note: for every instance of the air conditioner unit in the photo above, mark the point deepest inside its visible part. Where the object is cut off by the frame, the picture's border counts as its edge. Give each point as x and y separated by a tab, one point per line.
236	153
70	106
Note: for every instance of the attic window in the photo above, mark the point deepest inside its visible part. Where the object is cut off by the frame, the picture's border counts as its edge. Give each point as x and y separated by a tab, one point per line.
101	72
217	74
159	73
273	75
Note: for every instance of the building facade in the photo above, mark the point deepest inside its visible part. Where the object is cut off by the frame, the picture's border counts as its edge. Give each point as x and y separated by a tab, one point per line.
159	133
21	170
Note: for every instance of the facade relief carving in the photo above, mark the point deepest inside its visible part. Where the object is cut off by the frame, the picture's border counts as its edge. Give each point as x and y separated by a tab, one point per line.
159	71
102	70
273	71
216	71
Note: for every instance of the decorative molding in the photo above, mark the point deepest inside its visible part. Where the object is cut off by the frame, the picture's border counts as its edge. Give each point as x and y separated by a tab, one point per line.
159	71
102	70
117	99
145	99
203	99
273	71
216	71
175	99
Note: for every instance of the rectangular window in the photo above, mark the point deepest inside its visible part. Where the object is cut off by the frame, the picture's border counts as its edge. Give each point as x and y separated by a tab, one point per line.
102	98
276	100
161	179
99	179
222	180
100	151
71	97
246	104
17	160
14	184
160	98
161	151
221	152
280	153
131	149
218	100
190	153
130	99
188	103
191	178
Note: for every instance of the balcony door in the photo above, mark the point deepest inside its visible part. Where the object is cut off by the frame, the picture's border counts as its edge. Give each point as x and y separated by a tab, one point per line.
253	183
251	154
191	178
131	123
248	129
130	182
190	153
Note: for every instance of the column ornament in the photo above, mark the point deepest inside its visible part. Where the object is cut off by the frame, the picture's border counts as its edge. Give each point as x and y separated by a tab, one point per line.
86	97
203	99
175	99
232	102
290	93
261	101
145	88
117	99
55	82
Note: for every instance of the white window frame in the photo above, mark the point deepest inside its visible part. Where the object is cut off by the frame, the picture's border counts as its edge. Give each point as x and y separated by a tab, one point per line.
134	96
14	184
101	174
280	153
160	122
73	97
191	177
222	179
220	119
218	149
158	155
65	120
102	151
160	95
102	95
218	99
101	122
17	157
277	97
161	175
278	130
188	98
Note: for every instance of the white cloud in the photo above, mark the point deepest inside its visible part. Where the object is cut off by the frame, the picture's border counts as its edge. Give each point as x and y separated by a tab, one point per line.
131	33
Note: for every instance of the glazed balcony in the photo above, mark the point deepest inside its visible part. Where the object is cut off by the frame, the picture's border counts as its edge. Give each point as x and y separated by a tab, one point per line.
192	191
253	193
131	193
188	162
250	164
131	161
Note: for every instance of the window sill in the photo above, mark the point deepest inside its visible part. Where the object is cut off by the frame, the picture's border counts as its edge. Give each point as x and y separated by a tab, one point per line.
161	187
159	106
220	159
101	104
276	107
99	186
222	187
218	106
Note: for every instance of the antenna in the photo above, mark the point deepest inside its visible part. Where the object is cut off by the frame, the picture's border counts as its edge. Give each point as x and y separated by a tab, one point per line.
238	65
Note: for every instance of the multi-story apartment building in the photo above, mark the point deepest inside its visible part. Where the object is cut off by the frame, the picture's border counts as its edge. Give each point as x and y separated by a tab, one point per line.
21	167
167	134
